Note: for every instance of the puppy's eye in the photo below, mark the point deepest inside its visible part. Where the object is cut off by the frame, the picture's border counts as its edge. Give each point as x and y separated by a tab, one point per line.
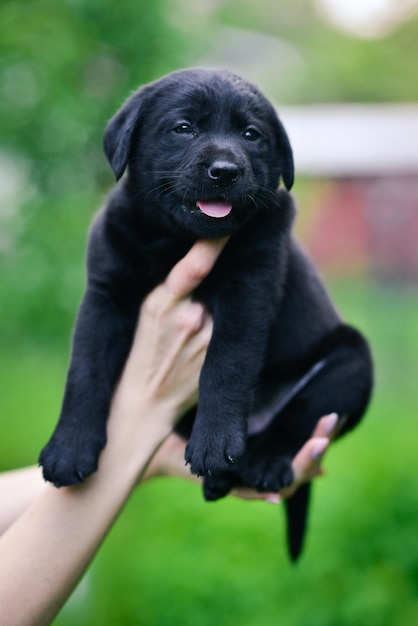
251	134
183	128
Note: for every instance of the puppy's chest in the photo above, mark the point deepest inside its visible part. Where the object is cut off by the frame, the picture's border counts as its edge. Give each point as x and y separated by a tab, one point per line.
137	259
145	256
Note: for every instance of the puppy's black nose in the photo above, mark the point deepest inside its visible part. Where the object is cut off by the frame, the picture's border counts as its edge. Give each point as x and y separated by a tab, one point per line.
223	172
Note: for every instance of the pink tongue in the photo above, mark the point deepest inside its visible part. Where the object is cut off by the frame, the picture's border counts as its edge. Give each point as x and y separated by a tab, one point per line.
215	209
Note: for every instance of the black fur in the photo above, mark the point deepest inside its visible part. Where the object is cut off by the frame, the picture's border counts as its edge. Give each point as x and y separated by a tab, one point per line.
279	349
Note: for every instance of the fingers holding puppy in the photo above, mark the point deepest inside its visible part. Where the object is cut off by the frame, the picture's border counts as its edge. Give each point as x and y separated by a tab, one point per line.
174	332
186	275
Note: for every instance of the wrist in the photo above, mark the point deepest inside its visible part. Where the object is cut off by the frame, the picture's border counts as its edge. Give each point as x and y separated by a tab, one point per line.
135	429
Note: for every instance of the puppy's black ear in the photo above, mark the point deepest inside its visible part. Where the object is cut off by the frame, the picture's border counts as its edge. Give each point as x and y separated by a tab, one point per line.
118	135
286	156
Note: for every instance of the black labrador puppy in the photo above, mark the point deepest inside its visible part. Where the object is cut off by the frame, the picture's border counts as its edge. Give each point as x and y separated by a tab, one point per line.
204	153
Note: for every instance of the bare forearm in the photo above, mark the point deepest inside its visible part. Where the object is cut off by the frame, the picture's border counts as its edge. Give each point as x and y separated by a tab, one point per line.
45	552
18	489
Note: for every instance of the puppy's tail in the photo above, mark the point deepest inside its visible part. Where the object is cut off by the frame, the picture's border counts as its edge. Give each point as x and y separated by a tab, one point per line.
297	517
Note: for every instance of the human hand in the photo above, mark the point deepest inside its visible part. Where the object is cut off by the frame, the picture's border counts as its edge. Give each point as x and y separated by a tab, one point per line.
170	344
307	464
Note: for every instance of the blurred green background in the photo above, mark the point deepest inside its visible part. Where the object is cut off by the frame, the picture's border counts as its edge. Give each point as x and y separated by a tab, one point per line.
65	66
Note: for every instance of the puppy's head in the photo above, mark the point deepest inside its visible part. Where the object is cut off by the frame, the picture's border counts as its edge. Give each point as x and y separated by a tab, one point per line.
203	145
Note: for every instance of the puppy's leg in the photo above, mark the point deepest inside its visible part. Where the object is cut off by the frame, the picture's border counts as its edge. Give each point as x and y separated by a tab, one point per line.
219	431
342	385
226	387
244	307
100	346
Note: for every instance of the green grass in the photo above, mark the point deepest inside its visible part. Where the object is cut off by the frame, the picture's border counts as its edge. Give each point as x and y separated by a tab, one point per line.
173	559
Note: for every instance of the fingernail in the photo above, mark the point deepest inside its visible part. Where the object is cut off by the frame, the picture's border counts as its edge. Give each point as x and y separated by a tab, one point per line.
331	422
342	422
320	448
273	498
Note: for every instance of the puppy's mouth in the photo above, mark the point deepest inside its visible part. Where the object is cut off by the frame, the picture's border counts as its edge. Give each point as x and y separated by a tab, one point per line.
214	208
213	217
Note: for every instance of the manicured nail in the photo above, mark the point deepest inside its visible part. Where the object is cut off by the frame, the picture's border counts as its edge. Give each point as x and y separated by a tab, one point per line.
273	498
331	422
342	422
320	448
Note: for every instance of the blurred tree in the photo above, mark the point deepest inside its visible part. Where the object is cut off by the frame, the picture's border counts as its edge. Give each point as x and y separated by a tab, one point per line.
65	67
330	66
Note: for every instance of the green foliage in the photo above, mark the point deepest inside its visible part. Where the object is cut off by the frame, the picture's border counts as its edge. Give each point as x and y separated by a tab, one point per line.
358	70
327	65
65	67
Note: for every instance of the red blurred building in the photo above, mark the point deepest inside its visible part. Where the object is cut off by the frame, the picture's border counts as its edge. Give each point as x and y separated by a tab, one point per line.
364	207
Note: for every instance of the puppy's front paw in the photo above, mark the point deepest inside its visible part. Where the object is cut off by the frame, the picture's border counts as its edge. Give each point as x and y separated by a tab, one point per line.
67	462
209	454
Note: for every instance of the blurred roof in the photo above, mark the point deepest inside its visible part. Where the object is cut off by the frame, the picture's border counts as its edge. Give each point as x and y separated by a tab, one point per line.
353	140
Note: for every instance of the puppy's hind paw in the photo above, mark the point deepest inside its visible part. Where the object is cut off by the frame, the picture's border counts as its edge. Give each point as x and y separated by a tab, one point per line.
267	473
216	487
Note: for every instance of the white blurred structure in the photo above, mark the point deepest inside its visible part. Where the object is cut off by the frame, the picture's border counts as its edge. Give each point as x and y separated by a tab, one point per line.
367	18
353	140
